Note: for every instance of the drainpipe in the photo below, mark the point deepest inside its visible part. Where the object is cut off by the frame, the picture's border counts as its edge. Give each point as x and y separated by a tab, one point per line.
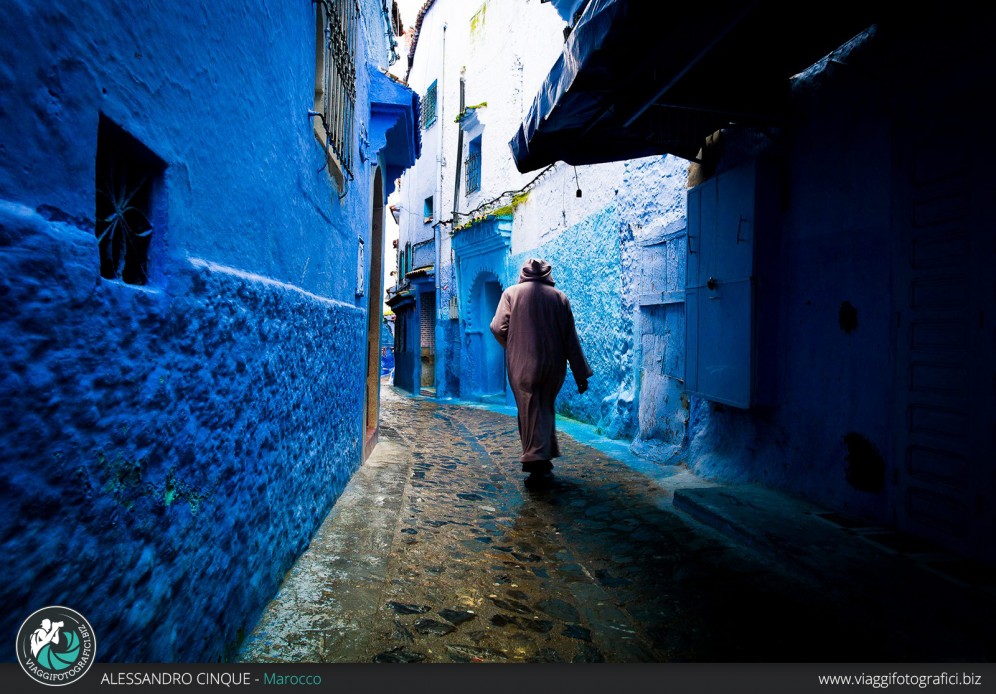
456	188
459	156
441	119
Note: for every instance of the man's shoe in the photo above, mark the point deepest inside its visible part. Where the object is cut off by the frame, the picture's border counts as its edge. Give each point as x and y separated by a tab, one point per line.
539	480
537	466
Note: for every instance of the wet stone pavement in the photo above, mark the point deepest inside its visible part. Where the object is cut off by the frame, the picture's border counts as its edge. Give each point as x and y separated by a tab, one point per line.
437	552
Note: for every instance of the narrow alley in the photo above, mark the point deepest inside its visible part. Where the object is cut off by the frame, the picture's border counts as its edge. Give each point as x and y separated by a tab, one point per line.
437	552
772	273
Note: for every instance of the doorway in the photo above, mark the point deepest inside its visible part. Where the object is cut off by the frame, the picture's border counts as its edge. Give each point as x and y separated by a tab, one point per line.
487	357
427	342
375	315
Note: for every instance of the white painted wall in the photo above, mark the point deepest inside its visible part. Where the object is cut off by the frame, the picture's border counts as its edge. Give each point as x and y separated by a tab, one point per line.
506	49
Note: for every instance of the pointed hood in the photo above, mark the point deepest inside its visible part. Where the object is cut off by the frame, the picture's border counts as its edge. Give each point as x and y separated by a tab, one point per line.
535	270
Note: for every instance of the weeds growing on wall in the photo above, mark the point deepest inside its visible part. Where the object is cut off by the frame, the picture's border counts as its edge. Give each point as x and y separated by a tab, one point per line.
123	229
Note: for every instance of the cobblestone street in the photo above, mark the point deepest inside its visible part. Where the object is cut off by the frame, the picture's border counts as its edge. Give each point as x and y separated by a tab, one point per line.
437	552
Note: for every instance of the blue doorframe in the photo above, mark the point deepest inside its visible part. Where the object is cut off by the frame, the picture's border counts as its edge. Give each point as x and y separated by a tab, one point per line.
485	357
482	251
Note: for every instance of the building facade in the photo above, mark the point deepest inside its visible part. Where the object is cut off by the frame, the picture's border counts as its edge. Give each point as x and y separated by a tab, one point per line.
191	210
469	219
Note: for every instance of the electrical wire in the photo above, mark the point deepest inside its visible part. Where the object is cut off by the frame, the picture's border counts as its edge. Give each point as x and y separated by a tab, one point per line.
492	204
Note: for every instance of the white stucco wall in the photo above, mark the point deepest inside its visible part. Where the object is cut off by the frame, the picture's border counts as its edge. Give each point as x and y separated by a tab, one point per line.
505	50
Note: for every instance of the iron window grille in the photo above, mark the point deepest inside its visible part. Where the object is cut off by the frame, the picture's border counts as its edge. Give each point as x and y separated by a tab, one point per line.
129	203
335	85
428	115
473	165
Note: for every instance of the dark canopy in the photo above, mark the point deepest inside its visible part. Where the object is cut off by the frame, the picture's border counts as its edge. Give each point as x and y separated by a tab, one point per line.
641	77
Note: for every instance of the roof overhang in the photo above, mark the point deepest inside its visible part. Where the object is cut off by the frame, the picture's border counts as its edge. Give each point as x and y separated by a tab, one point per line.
394	135
419	272
639	78
399	301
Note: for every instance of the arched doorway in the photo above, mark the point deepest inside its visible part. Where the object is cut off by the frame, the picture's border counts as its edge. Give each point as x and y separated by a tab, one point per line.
487	358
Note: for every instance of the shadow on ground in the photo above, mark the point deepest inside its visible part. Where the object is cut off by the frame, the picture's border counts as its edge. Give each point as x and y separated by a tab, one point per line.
438	552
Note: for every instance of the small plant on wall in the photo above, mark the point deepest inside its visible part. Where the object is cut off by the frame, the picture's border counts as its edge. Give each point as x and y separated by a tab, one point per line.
128	177
123	231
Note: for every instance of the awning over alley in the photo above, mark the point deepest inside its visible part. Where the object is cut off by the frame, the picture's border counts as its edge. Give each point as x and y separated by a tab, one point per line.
643	78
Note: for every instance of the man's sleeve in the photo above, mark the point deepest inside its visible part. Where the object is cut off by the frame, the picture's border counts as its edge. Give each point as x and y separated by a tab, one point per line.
575	356
499	324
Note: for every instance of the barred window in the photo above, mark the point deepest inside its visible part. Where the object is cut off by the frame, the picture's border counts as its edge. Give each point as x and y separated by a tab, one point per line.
130	203
429	106
335	81
474	165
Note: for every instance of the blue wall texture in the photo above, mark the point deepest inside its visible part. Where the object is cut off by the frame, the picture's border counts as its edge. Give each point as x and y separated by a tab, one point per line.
166	455
829	381
659	288
587	267
169	448
601	264
606	264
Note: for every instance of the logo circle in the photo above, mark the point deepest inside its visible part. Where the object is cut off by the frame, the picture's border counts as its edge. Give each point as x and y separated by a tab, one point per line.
56	646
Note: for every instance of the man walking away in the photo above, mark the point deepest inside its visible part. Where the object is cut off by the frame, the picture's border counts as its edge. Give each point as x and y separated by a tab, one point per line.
535	325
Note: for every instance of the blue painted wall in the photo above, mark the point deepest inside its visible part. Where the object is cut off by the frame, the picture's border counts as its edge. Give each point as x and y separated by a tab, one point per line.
587	267
170	448
828	382
833	245
451	372
659	273
218	95
601	263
